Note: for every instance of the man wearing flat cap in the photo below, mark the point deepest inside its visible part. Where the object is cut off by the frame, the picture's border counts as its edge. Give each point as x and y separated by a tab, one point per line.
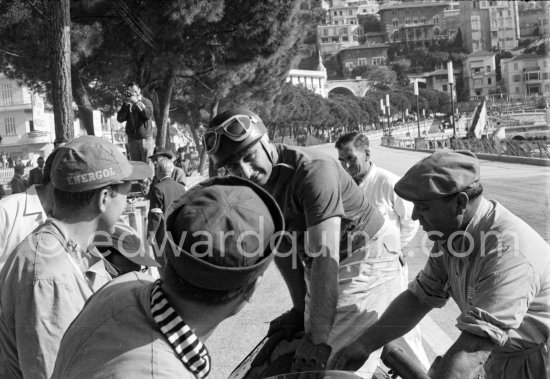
178	174
51	273
494	266
225	232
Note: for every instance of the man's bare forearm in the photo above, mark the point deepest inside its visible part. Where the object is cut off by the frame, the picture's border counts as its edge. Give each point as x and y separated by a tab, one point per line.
324	298
403	314
464	358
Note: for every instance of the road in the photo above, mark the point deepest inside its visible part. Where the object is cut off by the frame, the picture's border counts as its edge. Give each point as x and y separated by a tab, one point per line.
523	189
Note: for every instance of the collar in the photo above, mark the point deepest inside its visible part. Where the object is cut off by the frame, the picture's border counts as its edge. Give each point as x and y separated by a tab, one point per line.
461	243
185	343
369	174
33	204
165	177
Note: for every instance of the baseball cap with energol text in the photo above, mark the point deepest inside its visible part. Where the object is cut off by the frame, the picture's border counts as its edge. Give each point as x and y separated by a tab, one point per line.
87	163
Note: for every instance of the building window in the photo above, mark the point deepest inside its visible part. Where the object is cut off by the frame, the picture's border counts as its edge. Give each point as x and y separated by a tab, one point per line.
436	19
436	32
350	13
407	21
423	20
517	89
345	39
341	13
325	32
336	13
444	87
9	123
395	22
7	97
362	61
488	68
489	81
478	92
378	61
515	66
349	65
516	78
415	21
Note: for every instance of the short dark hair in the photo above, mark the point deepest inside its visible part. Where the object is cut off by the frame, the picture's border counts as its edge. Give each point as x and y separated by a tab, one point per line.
203	296
360	140
39	158
131	84
77	200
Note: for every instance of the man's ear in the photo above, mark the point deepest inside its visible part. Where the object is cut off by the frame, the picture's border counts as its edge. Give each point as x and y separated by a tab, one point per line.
367	154
102	199
461	202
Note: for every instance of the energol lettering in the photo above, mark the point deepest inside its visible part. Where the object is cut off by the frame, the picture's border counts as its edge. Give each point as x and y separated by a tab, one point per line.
91	176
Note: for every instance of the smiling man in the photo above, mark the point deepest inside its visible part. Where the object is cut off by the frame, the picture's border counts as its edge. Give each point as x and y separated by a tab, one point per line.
494	266
335	259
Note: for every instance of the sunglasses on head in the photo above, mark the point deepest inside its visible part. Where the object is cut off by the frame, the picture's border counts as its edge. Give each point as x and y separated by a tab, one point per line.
236	128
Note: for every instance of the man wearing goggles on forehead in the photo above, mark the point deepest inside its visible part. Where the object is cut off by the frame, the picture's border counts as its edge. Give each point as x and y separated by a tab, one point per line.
337	234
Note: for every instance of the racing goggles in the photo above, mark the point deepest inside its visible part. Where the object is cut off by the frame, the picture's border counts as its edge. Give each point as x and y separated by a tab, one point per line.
237	128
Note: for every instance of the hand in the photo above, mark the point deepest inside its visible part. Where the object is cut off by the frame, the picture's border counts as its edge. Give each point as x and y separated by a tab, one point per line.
310	356
350	358
144	186
290	323
435	366
133	99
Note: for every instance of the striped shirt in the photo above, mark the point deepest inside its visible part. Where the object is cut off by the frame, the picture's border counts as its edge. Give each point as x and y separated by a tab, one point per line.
185	343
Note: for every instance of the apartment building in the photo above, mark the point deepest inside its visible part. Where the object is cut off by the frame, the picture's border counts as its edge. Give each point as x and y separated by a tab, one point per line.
421	23
364	55
25	127
489	25
341	29
479	74
526	75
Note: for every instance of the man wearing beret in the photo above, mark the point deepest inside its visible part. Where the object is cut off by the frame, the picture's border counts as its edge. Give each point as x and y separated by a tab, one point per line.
51	273
335	260
495	267
224	231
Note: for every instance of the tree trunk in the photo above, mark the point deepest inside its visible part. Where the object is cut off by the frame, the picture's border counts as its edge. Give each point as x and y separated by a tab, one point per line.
82	100
60	47
164	105
212	172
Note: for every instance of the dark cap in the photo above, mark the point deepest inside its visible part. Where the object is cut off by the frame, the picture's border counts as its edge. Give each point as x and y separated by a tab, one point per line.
161	152
87	163
127	242
441	174
223	233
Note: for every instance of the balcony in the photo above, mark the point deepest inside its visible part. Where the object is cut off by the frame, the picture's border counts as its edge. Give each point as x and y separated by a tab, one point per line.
36	137
14	105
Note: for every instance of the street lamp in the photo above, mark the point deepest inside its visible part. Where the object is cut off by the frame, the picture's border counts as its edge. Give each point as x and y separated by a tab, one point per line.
451	80
388	108
417	110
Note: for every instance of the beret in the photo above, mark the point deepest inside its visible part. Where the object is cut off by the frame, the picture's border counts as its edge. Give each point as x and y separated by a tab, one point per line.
441	174
225	232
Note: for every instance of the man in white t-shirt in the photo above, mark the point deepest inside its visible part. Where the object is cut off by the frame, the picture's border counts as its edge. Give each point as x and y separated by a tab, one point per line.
377	185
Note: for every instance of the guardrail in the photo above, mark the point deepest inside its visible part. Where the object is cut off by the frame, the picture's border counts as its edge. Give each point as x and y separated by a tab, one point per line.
510	148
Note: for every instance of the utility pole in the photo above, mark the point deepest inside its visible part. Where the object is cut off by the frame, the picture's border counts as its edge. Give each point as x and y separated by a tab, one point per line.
451	80
60	48
417	109
388	108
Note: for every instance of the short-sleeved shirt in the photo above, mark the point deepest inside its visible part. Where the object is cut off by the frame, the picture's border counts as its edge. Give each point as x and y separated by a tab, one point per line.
311	187
45	282
116	336
499	278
